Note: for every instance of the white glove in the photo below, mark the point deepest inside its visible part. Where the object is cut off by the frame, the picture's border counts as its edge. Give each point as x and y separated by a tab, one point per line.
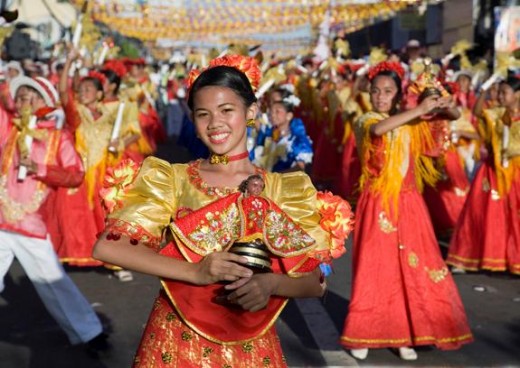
446	60
363	70
487	84
477	77
59	115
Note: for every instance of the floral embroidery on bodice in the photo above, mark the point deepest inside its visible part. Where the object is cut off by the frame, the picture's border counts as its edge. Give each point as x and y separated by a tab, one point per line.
196	180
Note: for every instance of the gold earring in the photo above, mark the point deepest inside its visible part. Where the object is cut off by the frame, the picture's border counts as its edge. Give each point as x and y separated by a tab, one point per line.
250	123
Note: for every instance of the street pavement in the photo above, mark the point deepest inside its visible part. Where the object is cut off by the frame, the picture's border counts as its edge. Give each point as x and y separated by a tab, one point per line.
309	329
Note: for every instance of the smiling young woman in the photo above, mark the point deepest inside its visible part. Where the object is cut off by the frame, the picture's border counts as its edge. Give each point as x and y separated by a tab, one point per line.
187	327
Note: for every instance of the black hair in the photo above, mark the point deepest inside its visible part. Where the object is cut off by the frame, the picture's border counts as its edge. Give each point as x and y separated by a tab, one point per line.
397	80
284	94
243	186
454	63
112	77
513	82
97	83
224	76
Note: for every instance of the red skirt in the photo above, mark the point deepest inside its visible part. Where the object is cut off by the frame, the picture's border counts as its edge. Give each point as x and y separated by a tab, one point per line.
347	182
168	342
327	156
402	293
152	128
487	235
446	200
76	225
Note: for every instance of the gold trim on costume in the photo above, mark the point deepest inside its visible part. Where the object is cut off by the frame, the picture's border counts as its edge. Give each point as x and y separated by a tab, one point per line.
404	340
385	224
437	275
413	260
486	186
459	192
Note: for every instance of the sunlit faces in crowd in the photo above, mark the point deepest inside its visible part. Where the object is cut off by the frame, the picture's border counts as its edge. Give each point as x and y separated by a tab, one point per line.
28	98
280	115
220	115
464	82
507	96
274	96
90	91
383	93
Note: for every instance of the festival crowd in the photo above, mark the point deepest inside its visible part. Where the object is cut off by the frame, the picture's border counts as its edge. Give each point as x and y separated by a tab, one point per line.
291	156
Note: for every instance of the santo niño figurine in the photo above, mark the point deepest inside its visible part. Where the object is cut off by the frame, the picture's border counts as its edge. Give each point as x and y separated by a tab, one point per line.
242	223
248	224
255	250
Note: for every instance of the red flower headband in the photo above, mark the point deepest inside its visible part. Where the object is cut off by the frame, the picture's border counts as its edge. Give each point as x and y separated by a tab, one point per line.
116	66
245	64
97	75
386	66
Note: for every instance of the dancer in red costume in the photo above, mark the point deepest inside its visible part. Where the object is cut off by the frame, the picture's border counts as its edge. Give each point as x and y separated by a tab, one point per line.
487	236
186	327
347	181
328	144
446	200
92	123
403	294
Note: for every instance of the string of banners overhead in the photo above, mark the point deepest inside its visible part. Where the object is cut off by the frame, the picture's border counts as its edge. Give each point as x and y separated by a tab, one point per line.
151	20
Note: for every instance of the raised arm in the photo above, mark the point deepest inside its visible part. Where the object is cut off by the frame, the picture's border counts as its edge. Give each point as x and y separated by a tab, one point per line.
63	85
430	103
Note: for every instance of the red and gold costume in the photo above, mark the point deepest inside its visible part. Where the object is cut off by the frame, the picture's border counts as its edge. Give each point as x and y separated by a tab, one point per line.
83	205
328	144
488	232
446	200
403	293
348	178
186	328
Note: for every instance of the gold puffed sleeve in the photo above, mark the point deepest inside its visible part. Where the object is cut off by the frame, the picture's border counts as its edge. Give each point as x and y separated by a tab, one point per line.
144	208
326	218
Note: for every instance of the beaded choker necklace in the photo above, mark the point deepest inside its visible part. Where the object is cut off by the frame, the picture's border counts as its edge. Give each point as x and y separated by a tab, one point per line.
225	159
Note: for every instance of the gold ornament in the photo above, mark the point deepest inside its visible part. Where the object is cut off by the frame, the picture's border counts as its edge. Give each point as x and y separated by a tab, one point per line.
250	123
215	159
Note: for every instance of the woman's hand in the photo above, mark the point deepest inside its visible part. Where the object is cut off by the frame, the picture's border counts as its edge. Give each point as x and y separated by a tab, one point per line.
73	54
253	293
447	102
32	167
429	104
221	266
